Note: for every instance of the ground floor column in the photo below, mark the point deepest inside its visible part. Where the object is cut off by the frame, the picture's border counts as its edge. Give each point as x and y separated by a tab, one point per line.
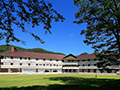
72	70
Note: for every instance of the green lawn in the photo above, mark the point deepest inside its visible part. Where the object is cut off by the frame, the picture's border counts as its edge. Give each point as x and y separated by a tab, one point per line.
59	82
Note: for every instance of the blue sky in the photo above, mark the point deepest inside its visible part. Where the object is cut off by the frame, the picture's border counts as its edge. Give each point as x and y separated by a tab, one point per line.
65	37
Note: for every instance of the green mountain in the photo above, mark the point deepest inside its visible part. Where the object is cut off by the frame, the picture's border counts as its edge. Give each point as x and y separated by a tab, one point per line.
4	48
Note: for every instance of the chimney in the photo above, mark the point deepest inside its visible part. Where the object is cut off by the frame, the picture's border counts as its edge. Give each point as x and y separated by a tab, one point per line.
13	49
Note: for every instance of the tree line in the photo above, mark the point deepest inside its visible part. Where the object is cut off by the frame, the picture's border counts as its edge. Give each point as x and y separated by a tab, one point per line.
4	48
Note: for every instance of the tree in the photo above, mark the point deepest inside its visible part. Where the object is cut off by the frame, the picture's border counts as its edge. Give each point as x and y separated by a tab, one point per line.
103	27
84	53
20	12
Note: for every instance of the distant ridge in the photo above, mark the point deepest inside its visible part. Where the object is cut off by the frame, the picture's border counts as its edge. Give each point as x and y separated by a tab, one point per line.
4	48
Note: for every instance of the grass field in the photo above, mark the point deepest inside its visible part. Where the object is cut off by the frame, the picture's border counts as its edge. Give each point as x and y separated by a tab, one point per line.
59	82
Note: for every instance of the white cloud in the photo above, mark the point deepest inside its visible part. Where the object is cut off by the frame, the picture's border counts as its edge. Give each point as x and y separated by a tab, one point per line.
72	35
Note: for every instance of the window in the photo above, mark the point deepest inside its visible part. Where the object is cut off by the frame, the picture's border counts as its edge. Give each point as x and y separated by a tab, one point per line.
59	60
16	63
25	70
40	59
60	65
53	60
91	59
47	60
25	58
18	70
33	59
91	70
91	64
28	58
54	70
25	64
40	64
7	57
80	70
59	70
75	60
32	70
47	64
85	60
97	60
85	65
16	57
46	70
86	70
41	70
6	63
54	65
32	64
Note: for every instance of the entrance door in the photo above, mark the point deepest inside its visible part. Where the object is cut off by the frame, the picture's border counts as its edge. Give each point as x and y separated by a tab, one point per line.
50	70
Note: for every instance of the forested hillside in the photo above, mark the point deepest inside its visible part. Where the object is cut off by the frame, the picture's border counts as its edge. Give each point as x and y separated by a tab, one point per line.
4	48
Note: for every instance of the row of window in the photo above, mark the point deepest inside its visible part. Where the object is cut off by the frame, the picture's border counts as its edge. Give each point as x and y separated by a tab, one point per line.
31	70
79	60
98	71
40	70
91	70
21	58
31	64
79	65
88	65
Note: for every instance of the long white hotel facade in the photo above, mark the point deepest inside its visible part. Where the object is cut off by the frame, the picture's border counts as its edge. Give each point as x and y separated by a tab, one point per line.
20	62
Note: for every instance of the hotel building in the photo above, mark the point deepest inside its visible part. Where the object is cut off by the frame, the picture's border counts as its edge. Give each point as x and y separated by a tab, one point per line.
21	62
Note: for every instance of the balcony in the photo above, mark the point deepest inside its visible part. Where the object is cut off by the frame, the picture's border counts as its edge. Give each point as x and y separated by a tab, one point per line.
70	63
70	67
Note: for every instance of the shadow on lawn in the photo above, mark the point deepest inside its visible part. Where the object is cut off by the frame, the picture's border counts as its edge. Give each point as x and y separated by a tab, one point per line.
75	83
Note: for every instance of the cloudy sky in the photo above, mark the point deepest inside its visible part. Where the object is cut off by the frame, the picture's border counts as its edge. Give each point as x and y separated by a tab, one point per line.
65	37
